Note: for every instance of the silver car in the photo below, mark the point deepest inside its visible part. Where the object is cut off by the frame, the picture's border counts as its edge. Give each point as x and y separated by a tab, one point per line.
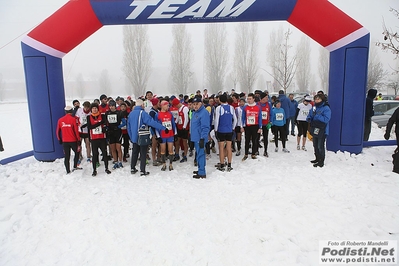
380	107
382	120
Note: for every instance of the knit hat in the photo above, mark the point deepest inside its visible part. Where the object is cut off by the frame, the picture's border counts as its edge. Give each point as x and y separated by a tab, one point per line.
154	101
68	109
308	98
175	102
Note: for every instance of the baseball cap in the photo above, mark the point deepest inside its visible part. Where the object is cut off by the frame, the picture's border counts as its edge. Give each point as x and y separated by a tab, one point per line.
197	100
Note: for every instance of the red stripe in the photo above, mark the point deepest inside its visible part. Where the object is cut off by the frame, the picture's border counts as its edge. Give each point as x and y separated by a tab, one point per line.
67	27
322	21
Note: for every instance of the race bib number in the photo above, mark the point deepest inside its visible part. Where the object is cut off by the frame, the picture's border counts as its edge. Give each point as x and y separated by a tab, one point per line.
167	124
175	114
84	120
279	116
305	112
251	120
264	115
97	130
180	120
113	118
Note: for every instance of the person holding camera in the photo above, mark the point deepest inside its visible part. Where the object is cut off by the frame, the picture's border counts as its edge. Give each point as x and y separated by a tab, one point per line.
199	130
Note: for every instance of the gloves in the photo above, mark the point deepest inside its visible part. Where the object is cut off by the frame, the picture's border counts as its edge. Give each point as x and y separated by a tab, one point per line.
166	131
104	129
159	140
386	136
201	143
60	141
176	138
269	125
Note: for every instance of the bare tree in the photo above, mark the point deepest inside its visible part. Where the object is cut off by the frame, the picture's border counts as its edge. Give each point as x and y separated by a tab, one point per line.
376	73
303	73
181	59
232	79
105	83
137	58
246	55
391	38
261	82
283	65
324	66
273	51
393	83
80	85
216	55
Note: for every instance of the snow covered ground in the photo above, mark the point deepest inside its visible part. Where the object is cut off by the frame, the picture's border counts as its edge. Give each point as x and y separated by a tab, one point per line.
269	211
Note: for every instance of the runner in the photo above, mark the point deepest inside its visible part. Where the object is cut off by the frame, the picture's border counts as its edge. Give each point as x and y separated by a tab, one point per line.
225	123
96	125
251	125
68	135
165	118
114	124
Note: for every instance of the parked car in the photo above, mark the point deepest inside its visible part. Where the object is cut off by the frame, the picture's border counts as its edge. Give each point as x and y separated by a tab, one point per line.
382	120
380	107
390	97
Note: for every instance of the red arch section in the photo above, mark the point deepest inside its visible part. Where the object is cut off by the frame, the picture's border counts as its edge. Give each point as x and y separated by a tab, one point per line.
68	27
322	21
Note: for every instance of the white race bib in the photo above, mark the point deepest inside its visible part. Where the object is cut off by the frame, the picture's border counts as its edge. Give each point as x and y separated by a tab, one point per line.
305	113
84	120
264	115
175	114
180	120
167	124
279	116
251	120
97	130
112	118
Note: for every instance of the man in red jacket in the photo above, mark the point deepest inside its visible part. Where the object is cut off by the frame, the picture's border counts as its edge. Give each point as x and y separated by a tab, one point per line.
68	135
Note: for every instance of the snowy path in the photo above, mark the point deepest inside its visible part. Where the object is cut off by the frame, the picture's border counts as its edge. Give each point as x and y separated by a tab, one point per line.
269	211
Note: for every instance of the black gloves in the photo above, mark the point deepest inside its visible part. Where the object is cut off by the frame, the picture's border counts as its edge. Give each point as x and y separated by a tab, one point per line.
166	131
159	140
104	129
386	136
201	143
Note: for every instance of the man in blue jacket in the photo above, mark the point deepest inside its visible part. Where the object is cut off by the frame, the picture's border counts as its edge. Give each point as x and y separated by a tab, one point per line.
291	117
319	118
285	104
199	130
136	119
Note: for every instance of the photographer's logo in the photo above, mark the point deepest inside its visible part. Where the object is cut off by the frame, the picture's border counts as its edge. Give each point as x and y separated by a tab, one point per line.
358	252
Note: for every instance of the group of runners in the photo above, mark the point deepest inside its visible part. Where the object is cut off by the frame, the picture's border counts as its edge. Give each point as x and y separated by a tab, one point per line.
184	124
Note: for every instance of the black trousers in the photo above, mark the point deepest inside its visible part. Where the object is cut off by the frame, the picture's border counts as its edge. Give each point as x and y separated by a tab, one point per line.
142	150
125	144
102	145
283	134
68	146
265	133
251	133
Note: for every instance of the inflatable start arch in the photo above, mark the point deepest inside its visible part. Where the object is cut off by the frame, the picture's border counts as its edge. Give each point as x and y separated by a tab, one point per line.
44	47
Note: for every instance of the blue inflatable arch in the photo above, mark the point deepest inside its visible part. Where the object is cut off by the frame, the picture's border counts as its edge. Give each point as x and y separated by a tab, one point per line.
44	47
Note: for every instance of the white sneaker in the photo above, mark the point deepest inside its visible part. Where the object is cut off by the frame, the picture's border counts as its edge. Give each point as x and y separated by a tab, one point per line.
238	153
304	148
276	149
285	150
298	147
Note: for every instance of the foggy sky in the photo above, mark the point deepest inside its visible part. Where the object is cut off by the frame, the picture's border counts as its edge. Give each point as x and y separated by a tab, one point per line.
104	49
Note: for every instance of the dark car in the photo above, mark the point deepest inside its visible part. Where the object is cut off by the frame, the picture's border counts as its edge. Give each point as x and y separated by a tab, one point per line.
382	120
380	107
